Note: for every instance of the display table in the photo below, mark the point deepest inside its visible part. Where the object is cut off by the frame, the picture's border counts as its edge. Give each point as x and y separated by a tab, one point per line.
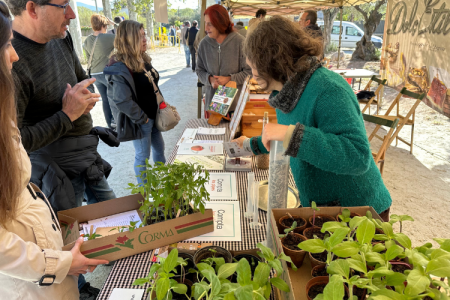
126	270
356	73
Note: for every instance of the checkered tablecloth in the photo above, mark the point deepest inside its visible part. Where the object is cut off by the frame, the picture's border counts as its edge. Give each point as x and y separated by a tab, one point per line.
126	270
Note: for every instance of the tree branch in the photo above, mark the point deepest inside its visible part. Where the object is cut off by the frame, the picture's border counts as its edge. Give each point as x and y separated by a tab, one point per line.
362	12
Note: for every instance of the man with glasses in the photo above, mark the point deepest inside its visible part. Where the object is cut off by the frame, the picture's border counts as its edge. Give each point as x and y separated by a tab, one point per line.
54	97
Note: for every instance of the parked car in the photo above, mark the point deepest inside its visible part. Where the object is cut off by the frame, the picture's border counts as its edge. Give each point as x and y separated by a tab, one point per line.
351	34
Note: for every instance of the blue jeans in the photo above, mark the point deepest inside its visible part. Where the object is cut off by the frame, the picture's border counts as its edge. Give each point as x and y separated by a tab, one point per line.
81	282
188	55
102	87
152	137
92	193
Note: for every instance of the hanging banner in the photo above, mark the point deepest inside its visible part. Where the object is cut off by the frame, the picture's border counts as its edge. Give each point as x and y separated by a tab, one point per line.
161	14
416	49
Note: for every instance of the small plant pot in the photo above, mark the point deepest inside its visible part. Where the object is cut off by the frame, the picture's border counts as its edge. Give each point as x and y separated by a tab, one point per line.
360	293
204	253
297	256
185	270
320	270
311	231
400	267
249	258
352	215
288	220
320	219
316	262
315	286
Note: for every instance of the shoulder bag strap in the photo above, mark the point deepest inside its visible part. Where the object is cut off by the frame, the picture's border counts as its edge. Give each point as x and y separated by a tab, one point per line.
90	57
155	88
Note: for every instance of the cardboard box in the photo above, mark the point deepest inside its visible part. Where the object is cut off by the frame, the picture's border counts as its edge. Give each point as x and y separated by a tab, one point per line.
120	245
297	280
251	122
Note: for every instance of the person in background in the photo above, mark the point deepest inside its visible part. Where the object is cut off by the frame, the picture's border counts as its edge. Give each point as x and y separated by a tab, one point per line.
171	36
32	263
190	35
132	96
178	34
319	120
185	43
241	29
308	21
117	21
259	17
220	54
100	58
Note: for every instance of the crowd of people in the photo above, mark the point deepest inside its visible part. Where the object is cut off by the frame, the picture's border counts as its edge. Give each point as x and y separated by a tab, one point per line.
48	142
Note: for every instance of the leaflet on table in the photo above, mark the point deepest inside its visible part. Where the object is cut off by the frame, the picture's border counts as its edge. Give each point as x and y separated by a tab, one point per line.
211	131
213	162
200	149
126	294
188	136
207	142
227	222
222	99
233	150
222	186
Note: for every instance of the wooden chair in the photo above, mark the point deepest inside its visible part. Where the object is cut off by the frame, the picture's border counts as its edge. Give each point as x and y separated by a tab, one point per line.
379	156
372	101
404	120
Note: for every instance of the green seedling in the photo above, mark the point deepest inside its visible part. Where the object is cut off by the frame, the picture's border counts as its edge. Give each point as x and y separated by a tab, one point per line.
288	231
315	208
399	218
92	236
129	228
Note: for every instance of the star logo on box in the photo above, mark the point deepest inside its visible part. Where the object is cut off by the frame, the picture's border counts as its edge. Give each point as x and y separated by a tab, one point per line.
124	241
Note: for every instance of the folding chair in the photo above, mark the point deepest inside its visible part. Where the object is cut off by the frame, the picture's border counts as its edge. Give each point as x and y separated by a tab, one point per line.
372	101
379	156
404	120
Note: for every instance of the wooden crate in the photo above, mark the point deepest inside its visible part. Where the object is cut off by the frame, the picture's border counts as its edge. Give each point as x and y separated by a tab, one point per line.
251	125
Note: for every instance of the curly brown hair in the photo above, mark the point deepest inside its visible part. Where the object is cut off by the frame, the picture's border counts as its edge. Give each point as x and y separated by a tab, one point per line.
279	48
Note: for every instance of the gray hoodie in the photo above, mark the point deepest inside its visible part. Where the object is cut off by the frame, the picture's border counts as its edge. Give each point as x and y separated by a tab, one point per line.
226	59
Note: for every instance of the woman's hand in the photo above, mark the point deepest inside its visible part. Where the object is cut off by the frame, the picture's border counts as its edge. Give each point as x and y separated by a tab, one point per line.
273	132
213	82
80	263
240	140
222	80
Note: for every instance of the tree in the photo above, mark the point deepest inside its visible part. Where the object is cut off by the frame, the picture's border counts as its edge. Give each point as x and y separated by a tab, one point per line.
328	18
75	32
146	7
131	10
84	15
107	9
372	14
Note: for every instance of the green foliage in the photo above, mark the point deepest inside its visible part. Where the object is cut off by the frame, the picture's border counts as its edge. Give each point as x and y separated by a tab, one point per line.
331	47
84	15
168	189
92	236
129	228
288	230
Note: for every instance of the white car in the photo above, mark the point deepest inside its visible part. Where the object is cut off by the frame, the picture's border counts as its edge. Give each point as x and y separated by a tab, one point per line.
351	34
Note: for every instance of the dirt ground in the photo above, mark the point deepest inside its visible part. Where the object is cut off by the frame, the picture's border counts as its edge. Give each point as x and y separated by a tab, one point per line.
419	183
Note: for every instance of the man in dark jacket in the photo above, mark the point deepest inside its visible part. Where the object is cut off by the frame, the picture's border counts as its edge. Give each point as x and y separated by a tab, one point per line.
308	20
192	33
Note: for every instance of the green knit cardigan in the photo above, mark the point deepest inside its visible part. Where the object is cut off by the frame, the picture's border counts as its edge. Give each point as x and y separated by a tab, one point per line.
334	162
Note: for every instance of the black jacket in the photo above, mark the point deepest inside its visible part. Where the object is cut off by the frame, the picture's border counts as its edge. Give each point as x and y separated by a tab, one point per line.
56	164
192	32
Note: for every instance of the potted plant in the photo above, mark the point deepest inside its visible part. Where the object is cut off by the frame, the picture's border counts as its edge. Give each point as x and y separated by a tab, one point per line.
252	260
317	220
171	190
290	241
346	215
287	221
215	256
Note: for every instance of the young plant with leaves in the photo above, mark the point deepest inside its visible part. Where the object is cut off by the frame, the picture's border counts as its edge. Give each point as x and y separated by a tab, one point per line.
160	277
288	231
399	218
91	236
129	228
314	208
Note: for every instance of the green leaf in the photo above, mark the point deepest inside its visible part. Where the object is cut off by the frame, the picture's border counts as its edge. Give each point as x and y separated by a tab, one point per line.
387	229
276	265
439	253
381	271
395	279
331	226
385	294
220	261
180	288
417	282
378	248
267	253
140	281
267	290
393	252
288	259
229	296
357	265
365	232
339	267
153	269
355	221
244	292
380	237
244	274
262	273
319	297
215	285
203	266
374	257
439	267
446	245
313	246
162	286
346	249
226	270
338	236
334	290
279	284
200	288
171	261
403	240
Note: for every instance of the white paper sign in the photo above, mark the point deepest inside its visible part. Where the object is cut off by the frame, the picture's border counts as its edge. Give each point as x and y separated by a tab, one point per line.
188	136
211	131
227	222
126	294
200	149
207	142
222	186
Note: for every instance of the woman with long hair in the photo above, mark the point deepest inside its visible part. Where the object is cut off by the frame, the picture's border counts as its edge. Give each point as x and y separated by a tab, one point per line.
32	263
220	54
132	96
319	120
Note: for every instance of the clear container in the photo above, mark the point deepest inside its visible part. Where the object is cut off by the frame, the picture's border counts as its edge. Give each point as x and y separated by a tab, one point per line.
278	184
262	160
250	194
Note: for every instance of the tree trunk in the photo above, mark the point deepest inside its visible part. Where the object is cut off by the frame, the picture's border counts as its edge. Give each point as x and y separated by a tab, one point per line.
150	34
75	32
132	15
107	9
328	18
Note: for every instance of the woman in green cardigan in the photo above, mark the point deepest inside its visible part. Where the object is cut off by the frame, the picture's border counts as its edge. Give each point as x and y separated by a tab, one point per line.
319	120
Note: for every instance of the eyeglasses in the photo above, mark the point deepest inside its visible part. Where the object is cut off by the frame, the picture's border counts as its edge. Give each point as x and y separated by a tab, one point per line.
60	6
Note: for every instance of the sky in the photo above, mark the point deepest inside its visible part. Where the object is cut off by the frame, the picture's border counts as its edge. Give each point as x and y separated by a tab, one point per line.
174	3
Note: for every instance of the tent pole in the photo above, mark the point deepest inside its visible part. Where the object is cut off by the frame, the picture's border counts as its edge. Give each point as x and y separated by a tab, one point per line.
199	84
340	35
